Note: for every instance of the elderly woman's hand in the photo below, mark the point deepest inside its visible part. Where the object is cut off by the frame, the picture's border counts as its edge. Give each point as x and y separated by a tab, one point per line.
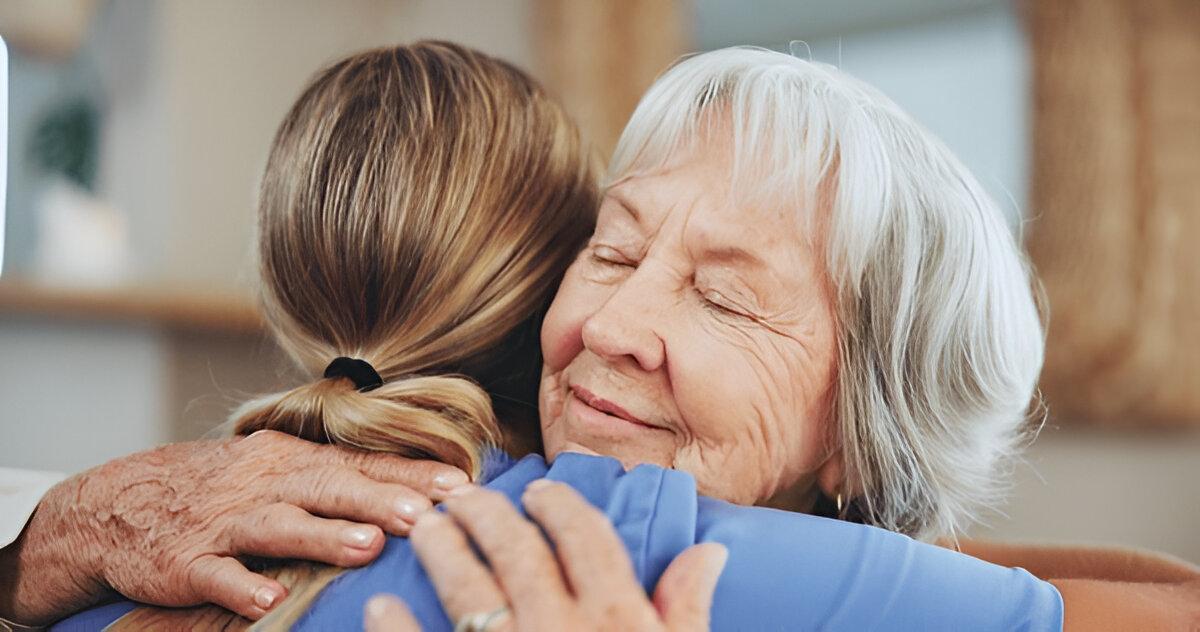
586	582
165	526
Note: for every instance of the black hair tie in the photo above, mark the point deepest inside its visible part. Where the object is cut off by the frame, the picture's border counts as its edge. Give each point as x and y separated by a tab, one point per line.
364	376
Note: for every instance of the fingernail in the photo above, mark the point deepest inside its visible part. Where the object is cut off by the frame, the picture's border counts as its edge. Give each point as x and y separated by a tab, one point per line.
377	608
358	537
716	562
381	612
540	483
265	597
451	480
406	510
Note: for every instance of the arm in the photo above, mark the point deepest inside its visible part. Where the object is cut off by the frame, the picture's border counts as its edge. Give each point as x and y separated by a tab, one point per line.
1082	562
165	526
1097	605
1107	588
20	493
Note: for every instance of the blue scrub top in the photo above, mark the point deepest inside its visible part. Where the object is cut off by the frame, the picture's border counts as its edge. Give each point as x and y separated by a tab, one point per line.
786	571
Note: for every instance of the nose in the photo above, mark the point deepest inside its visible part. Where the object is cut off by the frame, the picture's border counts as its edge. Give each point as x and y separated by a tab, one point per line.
624	326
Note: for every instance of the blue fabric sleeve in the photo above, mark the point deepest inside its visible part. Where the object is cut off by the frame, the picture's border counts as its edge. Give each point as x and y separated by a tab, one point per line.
806	572
95	619
786	571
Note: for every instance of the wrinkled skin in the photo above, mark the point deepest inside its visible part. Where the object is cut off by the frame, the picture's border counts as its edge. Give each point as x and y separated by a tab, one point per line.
705	319
164	526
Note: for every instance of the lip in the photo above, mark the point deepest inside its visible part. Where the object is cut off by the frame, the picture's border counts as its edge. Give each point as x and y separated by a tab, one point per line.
602	405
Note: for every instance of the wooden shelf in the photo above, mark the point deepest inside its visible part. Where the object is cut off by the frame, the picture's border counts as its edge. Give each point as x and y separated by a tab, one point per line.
170	307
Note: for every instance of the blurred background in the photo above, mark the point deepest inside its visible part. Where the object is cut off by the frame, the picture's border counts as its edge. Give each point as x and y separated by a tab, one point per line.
138	130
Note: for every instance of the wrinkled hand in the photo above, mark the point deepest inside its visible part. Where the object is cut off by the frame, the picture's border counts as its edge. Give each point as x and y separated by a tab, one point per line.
586	583
166	526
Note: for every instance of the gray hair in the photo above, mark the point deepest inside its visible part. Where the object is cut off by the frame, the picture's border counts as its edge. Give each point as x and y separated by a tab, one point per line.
940	338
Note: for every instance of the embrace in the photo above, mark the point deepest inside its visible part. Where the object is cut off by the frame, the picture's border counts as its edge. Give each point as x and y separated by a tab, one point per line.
761	374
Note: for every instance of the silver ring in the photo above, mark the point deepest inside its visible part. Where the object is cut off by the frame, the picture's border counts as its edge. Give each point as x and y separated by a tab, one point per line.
480	621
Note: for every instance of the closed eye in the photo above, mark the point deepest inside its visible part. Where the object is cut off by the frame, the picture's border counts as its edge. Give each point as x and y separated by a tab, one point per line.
609	256
715	301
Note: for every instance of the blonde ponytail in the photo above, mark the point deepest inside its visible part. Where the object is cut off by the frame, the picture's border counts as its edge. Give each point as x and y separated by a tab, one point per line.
445	417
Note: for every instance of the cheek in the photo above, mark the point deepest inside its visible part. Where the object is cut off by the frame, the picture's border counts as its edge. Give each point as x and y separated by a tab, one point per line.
551	406
562	329
794	385
756	410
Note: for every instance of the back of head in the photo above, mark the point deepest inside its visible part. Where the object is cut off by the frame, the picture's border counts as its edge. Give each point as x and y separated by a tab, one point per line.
419	205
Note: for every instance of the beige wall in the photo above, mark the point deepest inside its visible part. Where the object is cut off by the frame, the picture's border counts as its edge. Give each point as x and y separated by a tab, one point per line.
1133	489
73	397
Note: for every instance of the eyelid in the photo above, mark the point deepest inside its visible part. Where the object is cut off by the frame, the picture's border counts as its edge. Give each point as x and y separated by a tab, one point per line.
723	303
610	254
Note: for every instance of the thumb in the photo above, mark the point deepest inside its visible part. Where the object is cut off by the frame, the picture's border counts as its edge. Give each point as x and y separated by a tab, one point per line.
684	594
386	613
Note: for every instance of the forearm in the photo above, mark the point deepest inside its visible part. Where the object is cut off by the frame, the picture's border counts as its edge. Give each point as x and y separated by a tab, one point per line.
1077	562
44	574
1097	606
1107	588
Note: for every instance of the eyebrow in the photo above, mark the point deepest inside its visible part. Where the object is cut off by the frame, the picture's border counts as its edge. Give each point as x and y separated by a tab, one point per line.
733	254
724	254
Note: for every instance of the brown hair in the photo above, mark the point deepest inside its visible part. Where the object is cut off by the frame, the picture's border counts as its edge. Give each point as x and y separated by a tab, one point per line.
419	206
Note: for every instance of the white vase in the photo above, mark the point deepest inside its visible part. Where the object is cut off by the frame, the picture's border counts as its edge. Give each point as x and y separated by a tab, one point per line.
82	241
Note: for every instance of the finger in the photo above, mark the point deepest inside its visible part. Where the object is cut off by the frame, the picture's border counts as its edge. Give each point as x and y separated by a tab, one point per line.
225	582
684	593
520	558
341	492
462	582
385	613
591	554
286	531
433	479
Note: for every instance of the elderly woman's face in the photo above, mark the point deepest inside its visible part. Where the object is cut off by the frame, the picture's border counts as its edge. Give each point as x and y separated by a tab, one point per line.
693	333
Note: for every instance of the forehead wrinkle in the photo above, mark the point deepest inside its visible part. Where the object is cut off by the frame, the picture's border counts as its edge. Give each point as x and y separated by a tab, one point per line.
731	255
636	197
628	206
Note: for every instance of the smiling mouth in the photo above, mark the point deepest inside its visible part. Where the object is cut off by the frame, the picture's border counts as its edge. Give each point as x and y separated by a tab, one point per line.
605	406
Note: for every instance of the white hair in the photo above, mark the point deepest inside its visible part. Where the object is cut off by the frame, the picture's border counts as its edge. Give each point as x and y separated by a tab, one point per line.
940	338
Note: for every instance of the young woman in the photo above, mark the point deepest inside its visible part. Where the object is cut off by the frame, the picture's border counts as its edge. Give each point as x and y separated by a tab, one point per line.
419	206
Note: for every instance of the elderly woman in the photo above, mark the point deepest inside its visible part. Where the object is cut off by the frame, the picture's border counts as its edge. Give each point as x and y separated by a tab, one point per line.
791	288
791	291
